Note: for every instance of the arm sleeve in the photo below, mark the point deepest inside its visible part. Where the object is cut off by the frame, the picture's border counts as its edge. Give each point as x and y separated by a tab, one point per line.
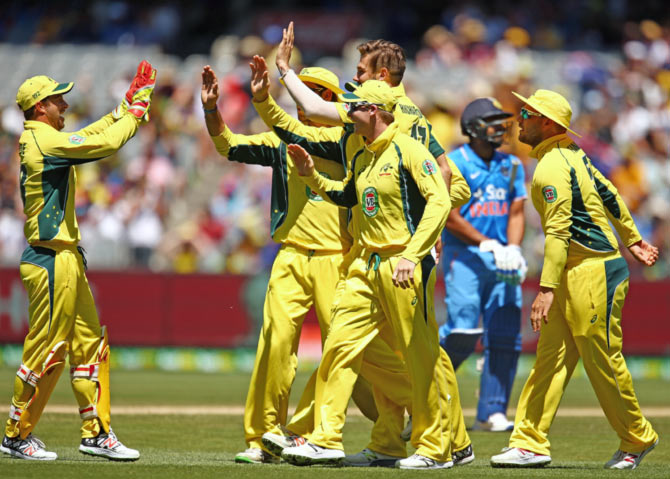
432	188
315	107
98	126
74	148
261	149
341	193
434	145
459	191
552	179
616	210
343	111
323	142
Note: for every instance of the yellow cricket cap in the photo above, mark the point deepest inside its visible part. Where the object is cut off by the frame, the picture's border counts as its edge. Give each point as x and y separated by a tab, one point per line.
376	92
321	76
37	88
552	105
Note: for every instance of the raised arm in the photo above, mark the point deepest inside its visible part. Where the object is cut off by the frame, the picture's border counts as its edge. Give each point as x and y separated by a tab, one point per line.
81	147
315	107
323	142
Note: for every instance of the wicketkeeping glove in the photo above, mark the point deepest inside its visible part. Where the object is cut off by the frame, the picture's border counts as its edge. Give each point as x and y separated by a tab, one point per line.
141	91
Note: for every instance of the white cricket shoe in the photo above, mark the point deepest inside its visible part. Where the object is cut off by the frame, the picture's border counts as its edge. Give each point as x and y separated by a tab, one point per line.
417	461
29	448
255	455
406	433
309	454
276	443
369	458
628	460
497	422
517	457
107	445
464	456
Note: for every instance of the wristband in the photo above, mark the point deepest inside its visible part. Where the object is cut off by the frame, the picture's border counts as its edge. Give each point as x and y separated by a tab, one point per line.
281	77
211	110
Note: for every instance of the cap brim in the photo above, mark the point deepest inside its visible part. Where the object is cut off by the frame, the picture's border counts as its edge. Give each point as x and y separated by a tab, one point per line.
545	113
62	88
332	87
351	85
350	98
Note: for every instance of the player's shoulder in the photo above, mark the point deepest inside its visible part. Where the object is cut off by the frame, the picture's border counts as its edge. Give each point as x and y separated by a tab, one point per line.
406	106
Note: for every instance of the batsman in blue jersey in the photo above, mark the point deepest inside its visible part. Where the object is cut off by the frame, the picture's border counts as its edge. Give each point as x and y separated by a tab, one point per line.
483	263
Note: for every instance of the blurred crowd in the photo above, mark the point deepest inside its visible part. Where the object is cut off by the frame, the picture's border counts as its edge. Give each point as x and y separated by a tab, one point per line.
168	202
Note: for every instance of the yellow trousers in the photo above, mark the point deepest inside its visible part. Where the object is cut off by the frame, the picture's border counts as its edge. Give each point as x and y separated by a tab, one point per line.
61	308
370	303
584	321
299	280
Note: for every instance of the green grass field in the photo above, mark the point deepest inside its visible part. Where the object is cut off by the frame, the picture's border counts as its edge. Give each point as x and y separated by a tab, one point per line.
199	445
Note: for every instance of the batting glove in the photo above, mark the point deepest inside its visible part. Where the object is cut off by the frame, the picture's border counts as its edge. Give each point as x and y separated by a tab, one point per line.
492	246
142	90
512	266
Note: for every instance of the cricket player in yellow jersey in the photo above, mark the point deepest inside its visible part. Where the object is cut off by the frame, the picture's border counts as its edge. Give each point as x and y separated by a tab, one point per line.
403	199
314	238
315	141
582	290
63	318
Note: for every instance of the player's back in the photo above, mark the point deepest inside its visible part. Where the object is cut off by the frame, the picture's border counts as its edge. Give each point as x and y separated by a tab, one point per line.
572	200
411	121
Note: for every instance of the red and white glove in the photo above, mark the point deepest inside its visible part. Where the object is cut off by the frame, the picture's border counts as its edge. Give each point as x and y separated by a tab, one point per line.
141	90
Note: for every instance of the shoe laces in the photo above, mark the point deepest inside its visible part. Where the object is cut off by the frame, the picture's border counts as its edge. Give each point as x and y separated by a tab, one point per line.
35	441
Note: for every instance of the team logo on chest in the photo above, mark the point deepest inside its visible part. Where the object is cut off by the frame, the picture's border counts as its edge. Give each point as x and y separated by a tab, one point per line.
370	201
313	195
386	170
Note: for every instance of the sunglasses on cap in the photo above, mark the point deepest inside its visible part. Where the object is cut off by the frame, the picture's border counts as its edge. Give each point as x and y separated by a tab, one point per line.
526	114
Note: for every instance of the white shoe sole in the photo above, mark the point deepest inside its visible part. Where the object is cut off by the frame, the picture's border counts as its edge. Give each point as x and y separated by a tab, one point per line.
446	465
540	463
18	455
300	460
111	455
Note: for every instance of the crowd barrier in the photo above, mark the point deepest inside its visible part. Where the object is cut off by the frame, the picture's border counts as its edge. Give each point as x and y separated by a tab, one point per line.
224	311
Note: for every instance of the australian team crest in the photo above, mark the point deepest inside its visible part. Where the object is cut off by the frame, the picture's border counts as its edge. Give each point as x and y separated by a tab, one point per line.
429	167
76	139
370	201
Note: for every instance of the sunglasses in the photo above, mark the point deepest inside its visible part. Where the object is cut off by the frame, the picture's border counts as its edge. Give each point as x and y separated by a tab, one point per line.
359	105
319	90
526	114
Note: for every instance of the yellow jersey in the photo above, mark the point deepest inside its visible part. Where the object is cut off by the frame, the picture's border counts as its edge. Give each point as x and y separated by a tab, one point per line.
48	177
299	216
576	203
397	188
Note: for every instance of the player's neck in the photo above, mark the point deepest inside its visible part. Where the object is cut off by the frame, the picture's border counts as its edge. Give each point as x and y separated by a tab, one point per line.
483	149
